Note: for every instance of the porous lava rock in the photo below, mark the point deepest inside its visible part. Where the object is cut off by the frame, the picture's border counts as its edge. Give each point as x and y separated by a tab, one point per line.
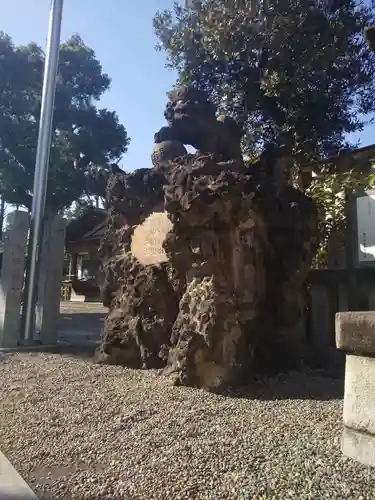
141	300
227	302
245	247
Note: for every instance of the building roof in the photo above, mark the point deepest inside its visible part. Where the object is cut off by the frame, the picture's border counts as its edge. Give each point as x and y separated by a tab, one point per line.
89	226
347	159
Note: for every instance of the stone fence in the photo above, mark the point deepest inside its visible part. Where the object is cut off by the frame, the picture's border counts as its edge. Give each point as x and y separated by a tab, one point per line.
355	336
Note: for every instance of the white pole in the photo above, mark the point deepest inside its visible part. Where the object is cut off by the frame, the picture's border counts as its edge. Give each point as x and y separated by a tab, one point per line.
41	167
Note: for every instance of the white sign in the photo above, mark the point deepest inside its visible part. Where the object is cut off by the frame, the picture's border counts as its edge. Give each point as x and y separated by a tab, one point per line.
148	238
366	227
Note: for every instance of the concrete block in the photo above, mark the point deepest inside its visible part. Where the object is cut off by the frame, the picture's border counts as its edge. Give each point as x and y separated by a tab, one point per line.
358	445
355	332
12	486
12	277
359	397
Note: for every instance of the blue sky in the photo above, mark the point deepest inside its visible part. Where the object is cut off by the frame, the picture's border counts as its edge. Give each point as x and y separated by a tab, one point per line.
121	33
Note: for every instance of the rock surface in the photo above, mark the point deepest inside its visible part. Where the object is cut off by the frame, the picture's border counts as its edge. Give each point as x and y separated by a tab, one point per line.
141	300
244	247
227	302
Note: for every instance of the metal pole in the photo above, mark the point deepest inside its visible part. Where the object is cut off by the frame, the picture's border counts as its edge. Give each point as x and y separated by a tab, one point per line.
41	167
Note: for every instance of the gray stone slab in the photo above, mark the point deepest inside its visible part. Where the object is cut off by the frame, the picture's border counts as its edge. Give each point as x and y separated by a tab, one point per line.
52	262
355	332
12	486
358	445
359	397
11	277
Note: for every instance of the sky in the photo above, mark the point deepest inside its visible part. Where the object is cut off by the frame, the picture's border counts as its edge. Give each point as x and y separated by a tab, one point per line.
122	36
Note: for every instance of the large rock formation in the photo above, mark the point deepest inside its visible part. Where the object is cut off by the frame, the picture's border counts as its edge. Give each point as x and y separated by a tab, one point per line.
218	296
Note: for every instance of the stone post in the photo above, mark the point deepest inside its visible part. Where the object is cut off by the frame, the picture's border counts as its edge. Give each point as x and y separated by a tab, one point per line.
51	274
355	334
12	278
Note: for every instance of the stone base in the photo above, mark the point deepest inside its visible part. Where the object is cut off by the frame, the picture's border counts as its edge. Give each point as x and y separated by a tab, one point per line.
359	401
359	445
359	410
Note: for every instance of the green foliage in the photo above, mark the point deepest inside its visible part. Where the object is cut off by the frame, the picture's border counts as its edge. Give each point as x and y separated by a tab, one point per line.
77	209
84	138
298	72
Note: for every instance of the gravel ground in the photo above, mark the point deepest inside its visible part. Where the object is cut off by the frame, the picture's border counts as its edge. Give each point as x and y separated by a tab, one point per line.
76	430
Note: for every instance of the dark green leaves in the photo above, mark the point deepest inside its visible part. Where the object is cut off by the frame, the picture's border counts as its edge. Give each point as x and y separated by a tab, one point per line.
84	137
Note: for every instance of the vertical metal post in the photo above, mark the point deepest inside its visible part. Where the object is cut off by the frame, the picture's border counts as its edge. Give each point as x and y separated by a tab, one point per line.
41	167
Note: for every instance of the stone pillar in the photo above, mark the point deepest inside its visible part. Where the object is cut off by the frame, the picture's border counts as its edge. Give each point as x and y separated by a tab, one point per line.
51	274
355	335
12	278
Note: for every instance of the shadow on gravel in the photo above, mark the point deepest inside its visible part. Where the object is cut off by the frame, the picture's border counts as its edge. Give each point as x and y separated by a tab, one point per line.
82	321
305	385
83	351
79	336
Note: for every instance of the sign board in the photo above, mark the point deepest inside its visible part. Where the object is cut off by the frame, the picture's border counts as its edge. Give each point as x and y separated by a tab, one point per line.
148	238
365	211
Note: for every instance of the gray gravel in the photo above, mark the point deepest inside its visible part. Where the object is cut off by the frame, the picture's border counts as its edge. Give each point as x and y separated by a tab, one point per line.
76	430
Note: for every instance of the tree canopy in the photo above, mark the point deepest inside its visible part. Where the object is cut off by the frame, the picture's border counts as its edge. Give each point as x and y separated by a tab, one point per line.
296	72
85	139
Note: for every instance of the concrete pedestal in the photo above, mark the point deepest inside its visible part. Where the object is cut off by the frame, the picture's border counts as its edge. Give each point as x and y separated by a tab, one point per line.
358	445
355	334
